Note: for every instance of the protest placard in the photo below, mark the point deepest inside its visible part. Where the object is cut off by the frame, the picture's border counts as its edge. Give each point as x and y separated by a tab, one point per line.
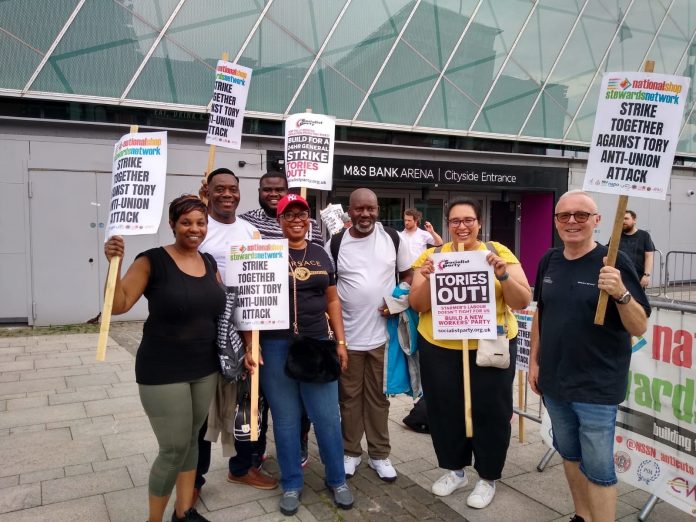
332	217
462	293
635	133
139	174
228	104
309	150
259	270
524	334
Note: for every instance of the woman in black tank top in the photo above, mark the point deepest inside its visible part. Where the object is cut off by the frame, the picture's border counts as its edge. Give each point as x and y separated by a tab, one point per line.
176	364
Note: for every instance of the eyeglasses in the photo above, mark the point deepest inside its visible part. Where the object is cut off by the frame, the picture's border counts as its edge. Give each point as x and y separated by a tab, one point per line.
580	217
292	216
466	221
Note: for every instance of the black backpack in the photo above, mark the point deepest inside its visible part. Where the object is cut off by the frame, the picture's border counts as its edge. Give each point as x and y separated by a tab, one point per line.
417	419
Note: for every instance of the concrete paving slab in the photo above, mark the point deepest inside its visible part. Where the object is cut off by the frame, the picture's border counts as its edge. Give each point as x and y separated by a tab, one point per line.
549	488
84	395
246	511
3	405
16	366
122	390
24	386
114	406
85	485
27	429
127	505
100	379
506	501
90	509
109	426
39	457
53	372
129	443
10	419
30	402
219	494
20	497
20	442
9	377
57	362
7	482
78	469
38	476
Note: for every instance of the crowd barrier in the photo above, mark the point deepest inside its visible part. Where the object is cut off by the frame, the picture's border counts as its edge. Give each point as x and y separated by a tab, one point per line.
655	447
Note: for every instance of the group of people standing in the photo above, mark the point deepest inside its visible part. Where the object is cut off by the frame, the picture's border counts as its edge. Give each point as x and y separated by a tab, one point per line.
338	290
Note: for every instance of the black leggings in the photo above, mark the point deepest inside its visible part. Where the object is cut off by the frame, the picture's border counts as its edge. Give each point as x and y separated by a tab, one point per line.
491	409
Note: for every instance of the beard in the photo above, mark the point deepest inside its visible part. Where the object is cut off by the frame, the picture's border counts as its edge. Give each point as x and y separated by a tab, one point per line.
364	230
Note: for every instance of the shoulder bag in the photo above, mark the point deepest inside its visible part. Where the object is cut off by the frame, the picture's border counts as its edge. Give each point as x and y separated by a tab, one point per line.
310	360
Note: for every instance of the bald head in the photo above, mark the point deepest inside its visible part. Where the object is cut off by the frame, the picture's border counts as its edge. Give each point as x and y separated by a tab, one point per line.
363	195
578	195
363	210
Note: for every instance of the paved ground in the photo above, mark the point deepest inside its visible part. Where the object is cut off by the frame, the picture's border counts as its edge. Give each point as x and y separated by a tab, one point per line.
75	445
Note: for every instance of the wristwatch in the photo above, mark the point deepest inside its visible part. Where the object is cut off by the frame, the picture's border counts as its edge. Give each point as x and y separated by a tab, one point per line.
646	274
624	299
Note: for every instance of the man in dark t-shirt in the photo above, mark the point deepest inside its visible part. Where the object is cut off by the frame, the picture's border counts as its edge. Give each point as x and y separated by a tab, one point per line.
581	369
638	245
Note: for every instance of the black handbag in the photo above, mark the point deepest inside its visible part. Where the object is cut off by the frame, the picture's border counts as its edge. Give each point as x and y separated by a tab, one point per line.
242	413
311	360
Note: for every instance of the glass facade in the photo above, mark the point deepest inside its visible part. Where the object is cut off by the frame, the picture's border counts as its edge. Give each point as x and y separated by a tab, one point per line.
523	70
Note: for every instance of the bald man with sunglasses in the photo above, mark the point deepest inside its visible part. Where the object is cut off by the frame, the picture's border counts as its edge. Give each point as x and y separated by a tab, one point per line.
581	369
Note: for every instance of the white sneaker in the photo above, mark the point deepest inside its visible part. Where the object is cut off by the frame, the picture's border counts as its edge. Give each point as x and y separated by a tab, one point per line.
448	484
482	495
350	464
384	469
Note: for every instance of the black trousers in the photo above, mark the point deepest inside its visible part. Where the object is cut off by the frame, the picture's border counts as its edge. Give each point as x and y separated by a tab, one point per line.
491	409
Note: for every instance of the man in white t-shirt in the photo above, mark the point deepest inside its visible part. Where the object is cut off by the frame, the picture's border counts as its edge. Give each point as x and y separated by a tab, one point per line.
224	228
415	239
366	265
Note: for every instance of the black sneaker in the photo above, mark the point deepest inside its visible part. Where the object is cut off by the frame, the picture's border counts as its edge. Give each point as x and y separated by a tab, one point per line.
189	516
577	518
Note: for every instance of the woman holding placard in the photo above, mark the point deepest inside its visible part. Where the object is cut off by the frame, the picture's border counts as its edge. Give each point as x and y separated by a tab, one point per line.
176	365
301	365
442	365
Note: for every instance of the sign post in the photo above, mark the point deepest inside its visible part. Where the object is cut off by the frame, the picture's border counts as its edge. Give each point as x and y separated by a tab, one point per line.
259	270
137	196
633	144
462	293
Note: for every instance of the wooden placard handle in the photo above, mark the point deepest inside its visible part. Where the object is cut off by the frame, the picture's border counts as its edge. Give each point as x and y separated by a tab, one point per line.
611	256
521	382
468	422
255	350
109	297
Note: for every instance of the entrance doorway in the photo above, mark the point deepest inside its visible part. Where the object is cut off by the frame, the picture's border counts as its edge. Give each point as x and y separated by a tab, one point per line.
500	212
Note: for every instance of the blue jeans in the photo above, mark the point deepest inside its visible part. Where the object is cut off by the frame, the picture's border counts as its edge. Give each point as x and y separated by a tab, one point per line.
285	397
584	433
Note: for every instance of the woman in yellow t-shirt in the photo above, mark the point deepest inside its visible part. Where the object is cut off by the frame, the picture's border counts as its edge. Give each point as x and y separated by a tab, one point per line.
442	373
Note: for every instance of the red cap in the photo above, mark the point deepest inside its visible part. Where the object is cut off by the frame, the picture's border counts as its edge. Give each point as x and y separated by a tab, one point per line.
291	199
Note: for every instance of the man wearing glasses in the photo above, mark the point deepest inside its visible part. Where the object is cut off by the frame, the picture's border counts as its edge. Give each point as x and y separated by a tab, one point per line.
579	368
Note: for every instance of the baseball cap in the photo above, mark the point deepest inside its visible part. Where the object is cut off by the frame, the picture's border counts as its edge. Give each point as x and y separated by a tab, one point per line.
291	199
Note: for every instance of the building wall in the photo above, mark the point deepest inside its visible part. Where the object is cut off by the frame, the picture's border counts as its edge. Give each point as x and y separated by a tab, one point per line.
47	240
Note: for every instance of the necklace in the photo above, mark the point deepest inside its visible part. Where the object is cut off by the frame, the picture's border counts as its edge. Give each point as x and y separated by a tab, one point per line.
300	272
